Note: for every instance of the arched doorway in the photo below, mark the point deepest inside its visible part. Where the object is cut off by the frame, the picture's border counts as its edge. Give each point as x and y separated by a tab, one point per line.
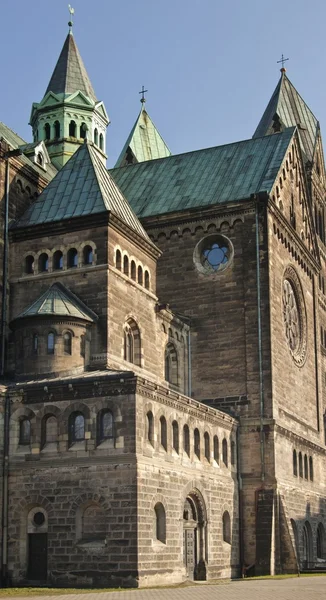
194	537
37	531
307	546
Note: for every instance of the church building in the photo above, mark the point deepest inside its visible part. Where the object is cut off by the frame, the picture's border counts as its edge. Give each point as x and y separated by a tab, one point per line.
163	347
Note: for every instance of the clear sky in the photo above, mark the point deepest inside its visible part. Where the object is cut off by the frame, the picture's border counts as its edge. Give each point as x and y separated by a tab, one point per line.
210	65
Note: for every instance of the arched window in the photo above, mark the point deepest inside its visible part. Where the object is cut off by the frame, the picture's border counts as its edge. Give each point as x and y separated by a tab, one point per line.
160	522
232	453
43	263
226	527
76	427
29	264
225	452
49	430
295	463
105	425
147	280
93	523
72	129
300	465
88	255
171	364
101	141
305	467
320	541
72	258
83	131
175	436
163	433
118	259
96	137
150	427
47	131
311	469
24	431
58	260
132	346
216	449
197	443
140	275
50	343
126	265
186	439
40	159
207	446
35	343
67	343
133	270
56	125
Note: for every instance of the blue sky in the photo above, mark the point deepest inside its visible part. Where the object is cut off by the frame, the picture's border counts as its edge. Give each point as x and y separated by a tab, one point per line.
210	65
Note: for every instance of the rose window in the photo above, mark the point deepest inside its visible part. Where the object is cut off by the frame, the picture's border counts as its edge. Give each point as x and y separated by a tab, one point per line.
216	256
213	254
291	316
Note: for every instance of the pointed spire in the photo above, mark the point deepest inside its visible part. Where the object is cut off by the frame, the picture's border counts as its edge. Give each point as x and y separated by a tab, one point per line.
287	108
70	75
144	141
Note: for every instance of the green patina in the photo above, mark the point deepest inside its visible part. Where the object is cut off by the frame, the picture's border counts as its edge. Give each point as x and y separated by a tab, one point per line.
285	109
209	177
144	142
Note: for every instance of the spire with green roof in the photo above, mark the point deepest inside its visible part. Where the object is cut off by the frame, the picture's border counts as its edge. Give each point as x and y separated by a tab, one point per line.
285	109
144	141
69	110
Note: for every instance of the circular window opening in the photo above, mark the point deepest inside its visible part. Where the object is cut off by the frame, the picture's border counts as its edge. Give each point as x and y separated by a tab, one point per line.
294	316
213	254
39	519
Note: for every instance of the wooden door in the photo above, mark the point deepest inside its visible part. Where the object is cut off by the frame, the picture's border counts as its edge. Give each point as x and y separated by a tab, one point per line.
189	551
37	556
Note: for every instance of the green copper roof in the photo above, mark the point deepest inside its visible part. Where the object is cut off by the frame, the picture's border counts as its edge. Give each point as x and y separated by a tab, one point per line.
15	141
58	301
70	75
289	109
204	178
143	143
82	187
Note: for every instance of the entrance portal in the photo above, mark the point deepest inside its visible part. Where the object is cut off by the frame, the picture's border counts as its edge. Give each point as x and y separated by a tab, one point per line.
194	538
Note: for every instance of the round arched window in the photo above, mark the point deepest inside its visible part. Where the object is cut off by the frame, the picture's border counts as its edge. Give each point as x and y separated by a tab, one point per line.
213	254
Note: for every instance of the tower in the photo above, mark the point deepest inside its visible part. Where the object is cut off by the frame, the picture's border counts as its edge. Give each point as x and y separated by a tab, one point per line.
69	111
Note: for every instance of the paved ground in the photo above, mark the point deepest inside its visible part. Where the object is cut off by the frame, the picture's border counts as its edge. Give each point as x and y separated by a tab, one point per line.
301	588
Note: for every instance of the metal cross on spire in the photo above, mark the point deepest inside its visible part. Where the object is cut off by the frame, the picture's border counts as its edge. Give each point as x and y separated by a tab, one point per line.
72	12
143	92
283	60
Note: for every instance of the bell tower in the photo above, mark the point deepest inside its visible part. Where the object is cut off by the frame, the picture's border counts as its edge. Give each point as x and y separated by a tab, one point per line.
69	111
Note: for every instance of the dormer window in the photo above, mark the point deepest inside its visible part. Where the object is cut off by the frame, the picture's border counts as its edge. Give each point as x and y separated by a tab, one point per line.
40	159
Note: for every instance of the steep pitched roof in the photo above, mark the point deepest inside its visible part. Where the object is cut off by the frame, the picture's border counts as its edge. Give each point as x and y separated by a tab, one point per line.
69	74
289	109
15	141
82	187
144	141
58	301
229	173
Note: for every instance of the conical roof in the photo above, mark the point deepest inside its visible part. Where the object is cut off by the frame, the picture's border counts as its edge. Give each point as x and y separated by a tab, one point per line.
285	109
70	75
144	142
58	301
82	187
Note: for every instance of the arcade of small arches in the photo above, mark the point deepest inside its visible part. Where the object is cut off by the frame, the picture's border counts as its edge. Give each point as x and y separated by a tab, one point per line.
53	429
58	260
54	131
303	466
193	444
304	535
129	267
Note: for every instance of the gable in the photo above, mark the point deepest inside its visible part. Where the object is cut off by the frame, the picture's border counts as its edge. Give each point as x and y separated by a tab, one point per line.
78	98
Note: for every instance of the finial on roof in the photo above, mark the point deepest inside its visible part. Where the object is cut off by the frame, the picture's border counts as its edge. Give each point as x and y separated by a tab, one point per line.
143	92
72	12
283	60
